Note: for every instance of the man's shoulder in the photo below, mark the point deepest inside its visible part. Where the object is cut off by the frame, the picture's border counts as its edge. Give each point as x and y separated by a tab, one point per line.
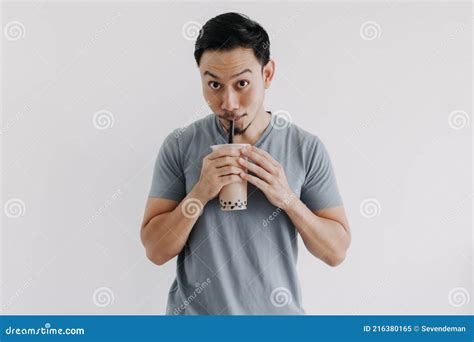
187	132
193	139
190	127
303	136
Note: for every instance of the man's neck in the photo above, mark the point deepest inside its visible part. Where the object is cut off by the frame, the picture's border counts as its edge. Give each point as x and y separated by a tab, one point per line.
255	131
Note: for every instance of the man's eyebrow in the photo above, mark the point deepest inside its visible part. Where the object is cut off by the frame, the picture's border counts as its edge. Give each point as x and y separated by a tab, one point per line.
217	77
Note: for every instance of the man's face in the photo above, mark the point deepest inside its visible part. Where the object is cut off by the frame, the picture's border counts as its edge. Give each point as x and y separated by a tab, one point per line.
233	85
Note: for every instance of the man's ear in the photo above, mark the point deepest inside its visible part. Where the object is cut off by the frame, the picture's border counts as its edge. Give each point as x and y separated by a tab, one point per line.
268	73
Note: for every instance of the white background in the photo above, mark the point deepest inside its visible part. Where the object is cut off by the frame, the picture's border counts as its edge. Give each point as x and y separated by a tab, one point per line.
392	104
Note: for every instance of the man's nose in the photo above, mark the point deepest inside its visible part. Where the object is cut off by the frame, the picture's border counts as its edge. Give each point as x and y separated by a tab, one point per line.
230	102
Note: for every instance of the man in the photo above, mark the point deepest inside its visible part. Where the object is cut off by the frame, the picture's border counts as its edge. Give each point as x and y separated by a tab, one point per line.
241	262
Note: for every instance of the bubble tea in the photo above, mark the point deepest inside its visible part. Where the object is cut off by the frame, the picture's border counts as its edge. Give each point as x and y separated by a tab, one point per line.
233	196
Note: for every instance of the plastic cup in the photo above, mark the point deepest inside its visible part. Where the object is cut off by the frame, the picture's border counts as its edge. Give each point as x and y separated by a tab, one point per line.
233	196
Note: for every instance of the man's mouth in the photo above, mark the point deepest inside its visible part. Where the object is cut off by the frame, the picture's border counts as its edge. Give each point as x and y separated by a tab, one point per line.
236	118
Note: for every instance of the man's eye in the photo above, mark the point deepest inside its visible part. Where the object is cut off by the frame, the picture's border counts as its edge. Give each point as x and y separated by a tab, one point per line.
214	85
242	84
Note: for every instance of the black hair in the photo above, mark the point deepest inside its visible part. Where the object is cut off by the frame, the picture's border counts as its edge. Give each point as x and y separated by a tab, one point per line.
230	30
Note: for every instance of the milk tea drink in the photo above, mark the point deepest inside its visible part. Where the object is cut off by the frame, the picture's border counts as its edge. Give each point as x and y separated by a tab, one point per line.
233	196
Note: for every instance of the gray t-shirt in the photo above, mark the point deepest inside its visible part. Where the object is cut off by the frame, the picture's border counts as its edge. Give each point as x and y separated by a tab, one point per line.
242	262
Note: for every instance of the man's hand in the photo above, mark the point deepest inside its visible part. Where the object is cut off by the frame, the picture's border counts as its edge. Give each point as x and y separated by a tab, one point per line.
219	168
271	178
326	238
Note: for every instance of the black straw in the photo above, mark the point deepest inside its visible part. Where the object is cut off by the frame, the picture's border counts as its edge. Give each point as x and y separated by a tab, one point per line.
231	132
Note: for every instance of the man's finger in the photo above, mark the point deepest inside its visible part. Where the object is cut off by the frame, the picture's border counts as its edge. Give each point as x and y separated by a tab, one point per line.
224	151
223	161
259	171
264	153
255	181
261	160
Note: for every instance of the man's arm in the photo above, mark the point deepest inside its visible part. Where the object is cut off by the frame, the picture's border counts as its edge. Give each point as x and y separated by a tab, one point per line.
326	233
167	224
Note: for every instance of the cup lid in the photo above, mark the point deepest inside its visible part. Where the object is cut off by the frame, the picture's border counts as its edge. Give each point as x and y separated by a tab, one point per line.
231	145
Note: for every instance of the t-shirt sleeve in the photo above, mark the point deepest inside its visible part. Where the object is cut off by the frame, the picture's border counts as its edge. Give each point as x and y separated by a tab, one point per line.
168	177
320	188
